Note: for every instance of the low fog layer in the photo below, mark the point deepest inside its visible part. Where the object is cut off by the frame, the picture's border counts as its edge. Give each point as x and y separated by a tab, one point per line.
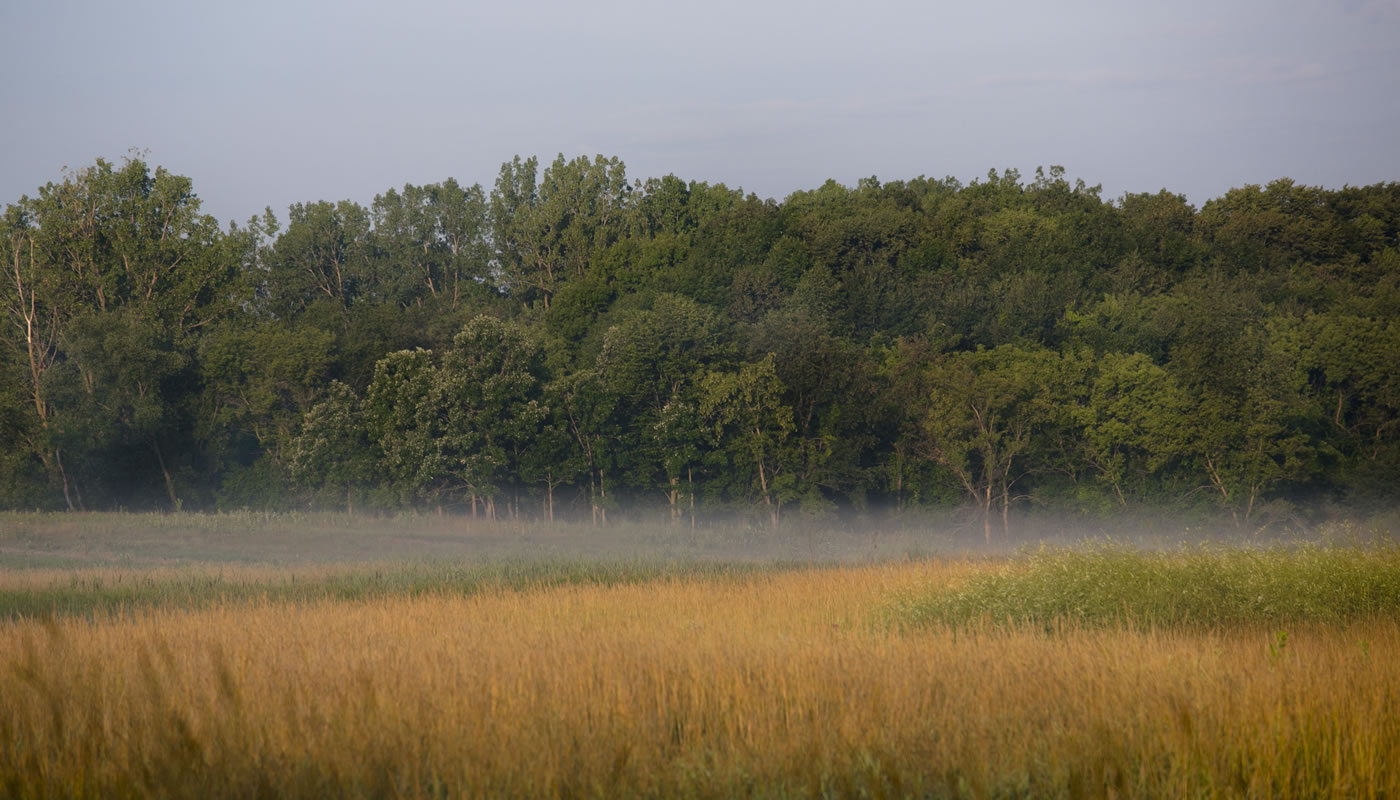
53	541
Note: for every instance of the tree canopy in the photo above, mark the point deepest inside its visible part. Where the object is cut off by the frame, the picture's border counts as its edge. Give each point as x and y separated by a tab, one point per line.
573	341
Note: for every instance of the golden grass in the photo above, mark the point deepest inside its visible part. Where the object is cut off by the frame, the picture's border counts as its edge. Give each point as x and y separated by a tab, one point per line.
782	684
47	578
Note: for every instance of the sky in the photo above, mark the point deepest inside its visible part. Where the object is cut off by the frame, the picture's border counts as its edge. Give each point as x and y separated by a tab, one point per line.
269	103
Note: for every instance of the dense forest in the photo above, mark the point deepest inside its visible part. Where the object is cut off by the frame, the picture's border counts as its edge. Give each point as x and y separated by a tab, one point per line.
574	344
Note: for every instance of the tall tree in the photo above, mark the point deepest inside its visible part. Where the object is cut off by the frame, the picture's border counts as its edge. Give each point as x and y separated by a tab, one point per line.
493	383
323	257
546	234
591	411
653	362
982	417
113	268
1353	364
406	419
752	427
432	242
332	454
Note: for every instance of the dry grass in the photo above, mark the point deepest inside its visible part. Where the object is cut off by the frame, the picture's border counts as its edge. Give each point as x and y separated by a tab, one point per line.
781	684
42	593
68	540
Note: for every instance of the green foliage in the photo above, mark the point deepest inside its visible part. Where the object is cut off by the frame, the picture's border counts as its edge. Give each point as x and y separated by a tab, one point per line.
751	429
491	394
404	417
263	379
1202	587
1010	344
431	244
111	277
325	254
546	233
333	452
982	417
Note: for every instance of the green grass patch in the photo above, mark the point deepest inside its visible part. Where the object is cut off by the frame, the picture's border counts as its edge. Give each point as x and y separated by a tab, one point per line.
1191	587
111	592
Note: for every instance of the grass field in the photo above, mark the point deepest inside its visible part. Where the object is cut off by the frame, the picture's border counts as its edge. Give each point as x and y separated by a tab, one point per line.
1088	673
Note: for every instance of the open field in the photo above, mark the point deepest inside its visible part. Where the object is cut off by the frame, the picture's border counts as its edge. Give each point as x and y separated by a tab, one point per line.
130	541
68	541
1030	676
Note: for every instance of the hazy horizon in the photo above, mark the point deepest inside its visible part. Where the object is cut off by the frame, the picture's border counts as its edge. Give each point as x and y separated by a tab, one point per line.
268	104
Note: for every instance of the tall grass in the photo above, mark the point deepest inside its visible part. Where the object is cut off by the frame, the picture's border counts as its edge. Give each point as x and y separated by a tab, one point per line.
44	593
775	684
1195	587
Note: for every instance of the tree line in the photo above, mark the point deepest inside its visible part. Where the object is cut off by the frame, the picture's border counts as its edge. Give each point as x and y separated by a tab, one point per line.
573	343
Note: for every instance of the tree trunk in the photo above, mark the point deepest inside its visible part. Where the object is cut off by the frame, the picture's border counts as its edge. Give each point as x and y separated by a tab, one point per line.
593	496
767	498
1005	511
549	494
169	484
898	478
63	474
987	513
672	496
1224	492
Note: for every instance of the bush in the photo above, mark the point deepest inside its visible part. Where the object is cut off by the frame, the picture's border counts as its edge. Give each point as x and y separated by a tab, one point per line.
1199	587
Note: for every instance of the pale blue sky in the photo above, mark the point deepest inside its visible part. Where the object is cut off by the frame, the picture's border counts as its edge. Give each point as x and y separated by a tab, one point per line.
268	103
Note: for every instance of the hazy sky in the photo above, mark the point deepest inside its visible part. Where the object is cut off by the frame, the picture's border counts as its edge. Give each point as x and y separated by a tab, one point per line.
267	103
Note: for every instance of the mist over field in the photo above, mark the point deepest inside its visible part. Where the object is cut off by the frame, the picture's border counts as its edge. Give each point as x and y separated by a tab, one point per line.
372	429
187	655
48	542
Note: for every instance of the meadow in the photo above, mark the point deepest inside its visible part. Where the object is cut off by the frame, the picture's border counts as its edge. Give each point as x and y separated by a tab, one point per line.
1100	671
